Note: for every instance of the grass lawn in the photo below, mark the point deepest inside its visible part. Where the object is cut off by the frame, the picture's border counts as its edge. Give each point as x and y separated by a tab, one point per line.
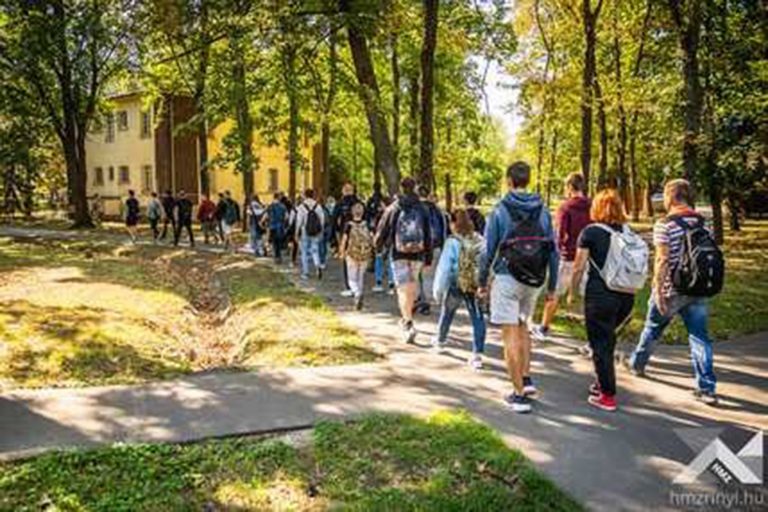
83	312
382	462
741	308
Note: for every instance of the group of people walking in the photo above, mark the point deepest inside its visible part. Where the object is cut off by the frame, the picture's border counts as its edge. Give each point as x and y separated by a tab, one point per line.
495	266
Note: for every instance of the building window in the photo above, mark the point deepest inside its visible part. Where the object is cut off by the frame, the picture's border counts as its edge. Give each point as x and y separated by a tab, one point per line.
273	180
122	120
111	174
125	175
146	177
98	176
110	128
146	125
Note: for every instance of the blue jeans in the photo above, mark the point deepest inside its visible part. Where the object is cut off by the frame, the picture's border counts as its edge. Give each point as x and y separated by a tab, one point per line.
451	302
695	315
257	244
378	270
310	248
323	250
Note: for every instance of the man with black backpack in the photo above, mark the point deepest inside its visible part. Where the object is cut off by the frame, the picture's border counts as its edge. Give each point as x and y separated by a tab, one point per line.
688	269
310	229
404	227
521	252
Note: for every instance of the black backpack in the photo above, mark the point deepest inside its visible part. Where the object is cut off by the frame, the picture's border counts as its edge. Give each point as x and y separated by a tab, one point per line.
701	269
527	252
313	226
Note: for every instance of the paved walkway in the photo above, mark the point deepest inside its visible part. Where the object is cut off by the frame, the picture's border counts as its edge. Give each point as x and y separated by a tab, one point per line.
623	461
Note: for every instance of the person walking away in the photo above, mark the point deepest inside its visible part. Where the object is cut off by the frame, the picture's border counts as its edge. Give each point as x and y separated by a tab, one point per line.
132	215
404	229
438	227
382	260
310	228
221	209
456	283
342	214
234	205
571	218
520	249
688	270
478	219
276	218
169	207
154	215
183	218
356	249
206	216
256	213
327	233
373	205
228	221
618	268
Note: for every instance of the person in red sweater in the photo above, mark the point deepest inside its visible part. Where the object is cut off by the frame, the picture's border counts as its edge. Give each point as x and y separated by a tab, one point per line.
571	218
206	215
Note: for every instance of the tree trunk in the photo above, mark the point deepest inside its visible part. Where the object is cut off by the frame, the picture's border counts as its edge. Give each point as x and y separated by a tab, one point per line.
199	100
648	200
633	177
689	28
369	93
603	179
448	192
552	165
395	64
325	142
413	111
427	153
716	200
243	117
79	196
587	86
289	78
540	156
621	161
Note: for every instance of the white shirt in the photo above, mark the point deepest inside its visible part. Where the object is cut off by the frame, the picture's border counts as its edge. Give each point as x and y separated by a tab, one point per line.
303	211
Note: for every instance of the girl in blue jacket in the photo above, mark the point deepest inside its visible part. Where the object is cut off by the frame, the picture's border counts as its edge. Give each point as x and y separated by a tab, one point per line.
456	282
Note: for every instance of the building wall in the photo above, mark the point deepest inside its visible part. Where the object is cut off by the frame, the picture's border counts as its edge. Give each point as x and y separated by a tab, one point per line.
128	149
272	162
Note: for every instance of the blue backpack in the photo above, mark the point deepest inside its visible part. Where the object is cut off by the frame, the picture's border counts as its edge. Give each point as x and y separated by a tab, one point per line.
409	231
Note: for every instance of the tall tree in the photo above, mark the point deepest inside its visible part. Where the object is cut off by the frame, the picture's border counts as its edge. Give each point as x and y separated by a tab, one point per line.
368	89
589	24
687	17
62	54
431	13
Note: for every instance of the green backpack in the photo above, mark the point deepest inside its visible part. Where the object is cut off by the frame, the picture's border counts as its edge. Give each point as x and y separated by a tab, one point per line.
360	242
469	253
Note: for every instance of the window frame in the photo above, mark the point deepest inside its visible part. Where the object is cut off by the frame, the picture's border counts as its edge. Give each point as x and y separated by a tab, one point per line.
110	128
145	126
274	179
98	176
123	179
122	121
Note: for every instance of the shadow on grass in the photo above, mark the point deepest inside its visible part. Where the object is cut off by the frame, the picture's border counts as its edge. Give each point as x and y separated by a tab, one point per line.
46	345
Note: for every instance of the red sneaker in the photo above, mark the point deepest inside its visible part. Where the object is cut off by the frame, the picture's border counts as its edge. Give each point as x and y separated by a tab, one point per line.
603	401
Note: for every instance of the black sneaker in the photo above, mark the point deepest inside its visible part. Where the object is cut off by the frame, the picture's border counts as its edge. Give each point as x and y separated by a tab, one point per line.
359	302
319	274
518	403
706	397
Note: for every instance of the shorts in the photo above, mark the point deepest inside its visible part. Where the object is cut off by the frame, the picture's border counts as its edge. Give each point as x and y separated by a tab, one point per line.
131	221
406	271
512	303
565	277
226	228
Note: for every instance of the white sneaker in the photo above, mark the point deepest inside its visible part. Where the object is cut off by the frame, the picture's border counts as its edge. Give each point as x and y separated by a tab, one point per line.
347	293
539	333
475	362
408	333
438	346
377	289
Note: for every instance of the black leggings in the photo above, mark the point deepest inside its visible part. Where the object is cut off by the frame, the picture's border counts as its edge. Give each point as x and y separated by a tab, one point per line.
604	314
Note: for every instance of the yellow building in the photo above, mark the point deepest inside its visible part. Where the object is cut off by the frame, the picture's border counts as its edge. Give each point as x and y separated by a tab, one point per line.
139	148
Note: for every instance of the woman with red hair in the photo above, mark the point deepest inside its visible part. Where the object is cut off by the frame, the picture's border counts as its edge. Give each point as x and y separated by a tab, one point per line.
605	307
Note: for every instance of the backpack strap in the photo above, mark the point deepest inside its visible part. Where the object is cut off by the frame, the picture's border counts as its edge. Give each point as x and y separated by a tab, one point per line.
678	219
